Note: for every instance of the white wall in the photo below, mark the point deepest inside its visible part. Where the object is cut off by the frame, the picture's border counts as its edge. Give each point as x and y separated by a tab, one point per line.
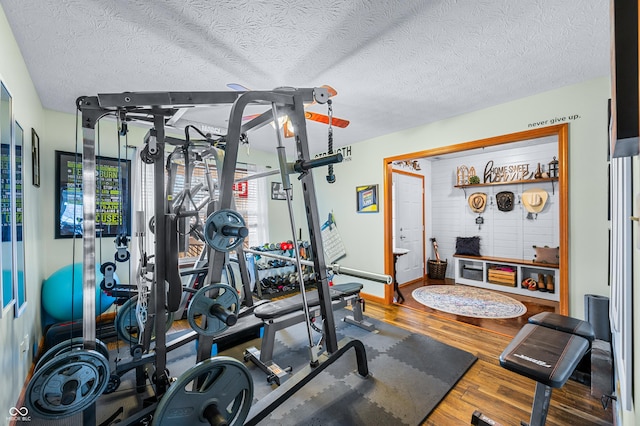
503	234
27	110
585	103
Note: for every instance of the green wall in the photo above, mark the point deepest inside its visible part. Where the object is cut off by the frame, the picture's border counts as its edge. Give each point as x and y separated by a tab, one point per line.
27	110
586	103
362	233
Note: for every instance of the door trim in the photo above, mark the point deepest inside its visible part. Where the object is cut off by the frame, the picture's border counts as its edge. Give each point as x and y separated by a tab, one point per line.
562	133
422	178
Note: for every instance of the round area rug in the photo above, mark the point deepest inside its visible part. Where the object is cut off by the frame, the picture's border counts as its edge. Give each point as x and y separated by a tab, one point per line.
468	301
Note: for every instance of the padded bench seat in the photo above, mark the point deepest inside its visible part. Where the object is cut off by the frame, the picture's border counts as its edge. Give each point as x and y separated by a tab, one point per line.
564	323
543	354
282	307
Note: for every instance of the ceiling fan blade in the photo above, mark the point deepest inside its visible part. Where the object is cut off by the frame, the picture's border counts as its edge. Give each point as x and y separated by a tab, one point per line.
288	129
238	87
321	118
250	117
332	92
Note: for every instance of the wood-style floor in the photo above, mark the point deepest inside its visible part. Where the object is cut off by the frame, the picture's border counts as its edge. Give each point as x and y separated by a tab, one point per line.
504	396
508	326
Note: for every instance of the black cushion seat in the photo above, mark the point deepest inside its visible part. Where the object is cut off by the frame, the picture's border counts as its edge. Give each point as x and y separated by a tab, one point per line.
282	307
544	354
564	323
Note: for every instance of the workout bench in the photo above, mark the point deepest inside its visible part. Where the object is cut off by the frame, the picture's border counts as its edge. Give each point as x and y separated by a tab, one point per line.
284	313
547	349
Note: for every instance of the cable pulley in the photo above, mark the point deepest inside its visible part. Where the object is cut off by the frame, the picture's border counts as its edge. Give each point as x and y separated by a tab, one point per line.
122	245
108	270
126	321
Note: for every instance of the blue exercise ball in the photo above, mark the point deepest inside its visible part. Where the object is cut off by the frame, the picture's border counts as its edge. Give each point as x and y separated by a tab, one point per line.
62	293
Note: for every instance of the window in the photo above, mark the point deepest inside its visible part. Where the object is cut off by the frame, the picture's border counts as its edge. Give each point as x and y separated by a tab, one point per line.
250	197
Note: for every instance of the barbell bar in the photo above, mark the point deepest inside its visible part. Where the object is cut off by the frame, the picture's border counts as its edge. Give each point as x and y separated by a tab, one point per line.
335	268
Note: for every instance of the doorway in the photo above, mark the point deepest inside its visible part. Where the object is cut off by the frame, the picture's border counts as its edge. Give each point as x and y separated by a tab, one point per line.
558	133
408	225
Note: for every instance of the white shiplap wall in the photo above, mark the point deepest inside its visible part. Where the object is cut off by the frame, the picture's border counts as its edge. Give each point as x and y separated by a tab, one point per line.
503	234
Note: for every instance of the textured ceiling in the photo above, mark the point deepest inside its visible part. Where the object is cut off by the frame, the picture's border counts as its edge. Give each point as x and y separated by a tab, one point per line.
395	64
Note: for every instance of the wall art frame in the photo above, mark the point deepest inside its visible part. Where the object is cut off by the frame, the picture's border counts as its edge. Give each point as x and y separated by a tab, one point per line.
35	158
367	199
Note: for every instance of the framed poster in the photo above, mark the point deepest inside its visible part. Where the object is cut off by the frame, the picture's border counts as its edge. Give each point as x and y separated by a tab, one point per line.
278	192
19	286
7	297
35	158
367	198
113	189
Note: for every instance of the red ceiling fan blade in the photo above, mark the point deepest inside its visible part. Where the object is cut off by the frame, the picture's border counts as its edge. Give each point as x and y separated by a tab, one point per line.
321	118
332	92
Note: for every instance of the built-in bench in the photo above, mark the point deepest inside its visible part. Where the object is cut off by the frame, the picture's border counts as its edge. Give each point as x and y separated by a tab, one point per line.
505	274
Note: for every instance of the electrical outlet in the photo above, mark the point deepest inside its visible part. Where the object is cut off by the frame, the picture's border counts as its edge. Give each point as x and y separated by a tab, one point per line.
24	346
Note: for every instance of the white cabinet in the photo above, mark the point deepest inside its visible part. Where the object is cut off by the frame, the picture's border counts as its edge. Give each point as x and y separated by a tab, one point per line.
474	271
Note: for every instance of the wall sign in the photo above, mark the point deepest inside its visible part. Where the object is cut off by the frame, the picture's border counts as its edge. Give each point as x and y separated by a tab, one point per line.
345	151
506	173
113	189
367	199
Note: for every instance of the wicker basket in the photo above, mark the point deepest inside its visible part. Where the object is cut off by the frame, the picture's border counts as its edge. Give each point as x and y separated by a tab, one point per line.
436	270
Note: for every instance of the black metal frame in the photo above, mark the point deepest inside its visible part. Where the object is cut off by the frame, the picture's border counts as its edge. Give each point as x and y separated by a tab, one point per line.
158	107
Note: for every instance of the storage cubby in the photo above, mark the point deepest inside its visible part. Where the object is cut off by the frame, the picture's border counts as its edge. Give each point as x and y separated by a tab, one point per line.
505	275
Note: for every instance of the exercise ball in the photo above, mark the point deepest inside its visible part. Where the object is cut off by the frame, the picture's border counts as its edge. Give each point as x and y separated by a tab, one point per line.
62	293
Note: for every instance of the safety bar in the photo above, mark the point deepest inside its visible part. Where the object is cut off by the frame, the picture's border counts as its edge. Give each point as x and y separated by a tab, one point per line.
335	268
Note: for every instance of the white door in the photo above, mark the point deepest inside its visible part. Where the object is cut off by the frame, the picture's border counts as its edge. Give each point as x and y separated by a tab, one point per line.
408	230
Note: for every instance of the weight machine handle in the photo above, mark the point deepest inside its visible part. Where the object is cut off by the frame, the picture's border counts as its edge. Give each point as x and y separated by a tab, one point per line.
223	314
235	231
303	166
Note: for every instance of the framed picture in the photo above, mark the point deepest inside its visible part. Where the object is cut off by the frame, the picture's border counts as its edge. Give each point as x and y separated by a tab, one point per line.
35	158
367	199
277	191
113	204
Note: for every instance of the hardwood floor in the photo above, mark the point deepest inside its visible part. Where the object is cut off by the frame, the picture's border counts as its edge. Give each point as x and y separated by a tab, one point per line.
504	396
508	326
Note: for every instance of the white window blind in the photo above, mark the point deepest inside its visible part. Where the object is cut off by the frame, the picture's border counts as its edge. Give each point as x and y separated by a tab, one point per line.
250	198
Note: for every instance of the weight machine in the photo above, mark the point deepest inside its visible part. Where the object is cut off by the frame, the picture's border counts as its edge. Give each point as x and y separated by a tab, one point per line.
217	398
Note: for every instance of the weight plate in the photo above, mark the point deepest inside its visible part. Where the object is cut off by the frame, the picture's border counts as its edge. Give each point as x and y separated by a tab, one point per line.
67	384
214	230
220	385
200	308
127	324
113	384
75	343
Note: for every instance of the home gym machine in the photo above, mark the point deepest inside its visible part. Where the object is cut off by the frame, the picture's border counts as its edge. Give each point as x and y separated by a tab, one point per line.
216	390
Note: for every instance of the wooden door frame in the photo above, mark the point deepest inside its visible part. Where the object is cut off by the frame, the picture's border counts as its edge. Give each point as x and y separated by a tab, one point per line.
562	133
422	178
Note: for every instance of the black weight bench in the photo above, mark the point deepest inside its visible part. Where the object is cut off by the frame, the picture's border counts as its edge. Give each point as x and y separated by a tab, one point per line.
547	349
546	355
280	314
582	373
564	323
